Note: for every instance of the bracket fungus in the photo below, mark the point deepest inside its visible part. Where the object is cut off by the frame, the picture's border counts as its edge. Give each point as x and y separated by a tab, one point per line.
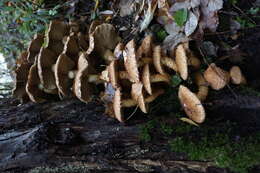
216	77
35	47
191	104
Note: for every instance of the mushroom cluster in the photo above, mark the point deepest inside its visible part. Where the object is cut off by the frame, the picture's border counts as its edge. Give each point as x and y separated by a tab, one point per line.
70	61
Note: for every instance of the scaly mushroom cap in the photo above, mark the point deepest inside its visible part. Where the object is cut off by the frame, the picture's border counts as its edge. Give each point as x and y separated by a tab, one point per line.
117	105
32	87
105	37
21	75
34	47
62	68
137	95
157	59
82	88
216	77
146	79
46	60
191	104
202	86
131	62
71	47
57	30
181	61
146	47
236	76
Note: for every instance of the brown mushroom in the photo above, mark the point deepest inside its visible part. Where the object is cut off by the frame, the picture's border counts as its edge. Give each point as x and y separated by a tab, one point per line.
157	59
57	30
71	47
34	47
236	76
191	104
145	48
137	95
181	61
202	84
130	62
216	77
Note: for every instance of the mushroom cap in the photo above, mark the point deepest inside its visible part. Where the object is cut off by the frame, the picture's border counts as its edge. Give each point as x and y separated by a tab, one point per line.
202	86
105	37
21	75
118	51
145	48
56	46
57	30
71	47
236	75
216	77
130	61
157	59
82	88
191	104
146	79
83	44
113	74
63	66
46	60
117	105
181	61
34	47
32	87
137	95
22	58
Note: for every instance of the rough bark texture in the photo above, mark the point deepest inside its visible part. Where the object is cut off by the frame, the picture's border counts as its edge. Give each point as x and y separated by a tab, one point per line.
77	137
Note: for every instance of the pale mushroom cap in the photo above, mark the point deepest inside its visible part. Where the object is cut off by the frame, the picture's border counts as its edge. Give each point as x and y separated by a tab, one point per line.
32	89
146	47
82	89
181	61
146	79
216	77
236	75
63	66
137	95
202	86
191	104
113	74
117	105
130	61
157	59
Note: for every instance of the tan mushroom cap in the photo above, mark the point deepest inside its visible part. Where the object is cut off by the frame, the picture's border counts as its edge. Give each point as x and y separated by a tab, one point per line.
236	76
32	87
137	95
34	47
216	77
193	60
46	60
82	88
105	37
191	104
57	30
181	61
145	48
130	61
113	74
146	79
118	51
157	59
117	105
202	84
62	68
55	46
21	75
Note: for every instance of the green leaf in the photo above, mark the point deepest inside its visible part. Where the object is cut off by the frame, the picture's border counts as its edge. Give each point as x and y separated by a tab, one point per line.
181	16
175	80
161	34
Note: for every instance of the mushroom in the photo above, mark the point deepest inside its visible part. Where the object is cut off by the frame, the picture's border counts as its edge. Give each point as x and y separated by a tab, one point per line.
191	104
57	30
236	76
34	47
71	47
83	44
216	77
130	62
83	88
166	61
193	60
137	95
181	61
34	88
45	62
157	59
145	48
118	51
21	74
202	86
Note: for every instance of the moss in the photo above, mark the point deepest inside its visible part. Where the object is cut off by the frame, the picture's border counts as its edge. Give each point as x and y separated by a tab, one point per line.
145	134
238	155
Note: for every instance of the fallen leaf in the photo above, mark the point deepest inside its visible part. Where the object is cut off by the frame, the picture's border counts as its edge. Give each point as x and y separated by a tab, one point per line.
191	24
187	120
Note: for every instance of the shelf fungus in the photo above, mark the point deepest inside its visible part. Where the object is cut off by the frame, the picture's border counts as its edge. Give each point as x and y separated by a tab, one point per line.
236	76
216	77
34	47
191	104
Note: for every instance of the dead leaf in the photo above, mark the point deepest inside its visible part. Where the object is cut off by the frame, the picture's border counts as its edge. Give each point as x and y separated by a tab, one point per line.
191	24
171	41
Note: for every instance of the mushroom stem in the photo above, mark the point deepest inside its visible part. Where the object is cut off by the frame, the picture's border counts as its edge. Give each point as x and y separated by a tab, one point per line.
169	62
203	88
159	78
72	74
